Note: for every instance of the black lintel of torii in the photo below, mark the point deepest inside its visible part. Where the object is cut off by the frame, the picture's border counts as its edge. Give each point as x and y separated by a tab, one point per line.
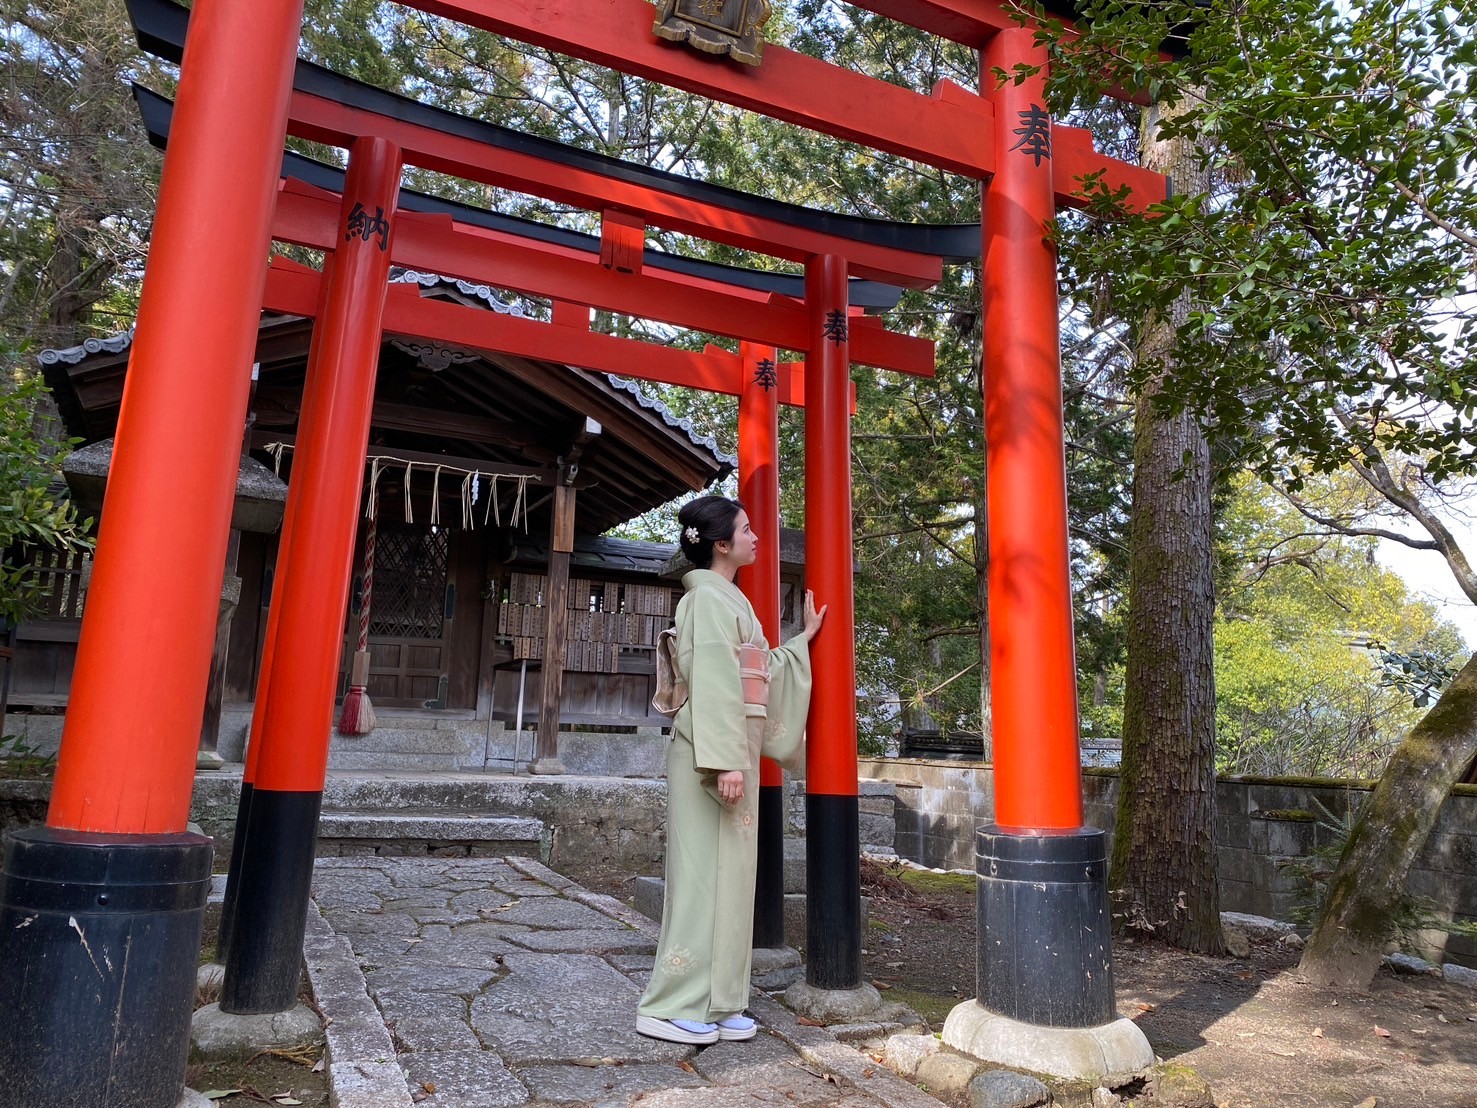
160	26
157	112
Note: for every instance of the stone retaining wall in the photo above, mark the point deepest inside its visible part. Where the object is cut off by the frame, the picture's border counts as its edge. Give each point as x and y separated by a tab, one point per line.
1261	824
422	742
593	820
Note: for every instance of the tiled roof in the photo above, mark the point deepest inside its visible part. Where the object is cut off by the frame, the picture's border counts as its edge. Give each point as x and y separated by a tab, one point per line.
116	344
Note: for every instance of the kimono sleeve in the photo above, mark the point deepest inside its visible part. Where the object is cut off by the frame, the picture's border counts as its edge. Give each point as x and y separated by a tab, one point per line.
789	703
707	644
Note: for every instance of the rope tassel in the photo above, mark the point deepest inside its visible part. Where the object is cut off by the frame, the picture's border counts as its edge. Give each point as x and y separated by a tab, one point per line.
357	717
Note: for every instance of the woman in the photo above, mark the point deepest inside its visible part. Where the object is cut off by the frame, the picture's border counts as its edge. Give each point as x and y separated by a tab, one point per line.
700	983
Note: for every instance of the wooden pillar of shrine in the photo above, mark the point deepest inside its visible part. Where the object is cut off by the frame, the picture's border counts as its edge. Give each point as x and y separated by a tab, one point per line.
556	624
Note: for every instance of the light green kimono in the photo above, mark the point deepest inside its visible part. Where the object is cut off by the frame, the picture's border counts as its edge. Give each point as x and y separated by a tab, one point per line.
703	959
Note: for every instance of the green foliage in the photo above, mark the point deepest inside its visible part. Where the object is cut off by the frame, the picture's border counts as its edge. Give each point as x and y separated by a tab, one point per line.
32	515
1420	674
1297	687
1334	267
19	760
77	175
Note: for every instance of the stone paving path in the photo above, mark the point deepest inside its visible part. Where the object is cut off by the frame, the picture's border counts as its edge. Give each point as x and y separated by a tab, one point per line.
485	982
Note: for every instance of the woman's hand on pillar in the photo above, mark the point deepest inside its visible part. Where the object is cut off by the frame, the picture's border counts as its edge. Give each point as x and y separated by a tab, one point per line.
813	618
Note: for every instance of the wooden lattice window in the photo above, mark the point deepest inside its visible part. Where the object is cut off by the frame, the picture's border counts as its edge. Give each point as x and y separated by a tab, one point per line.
410	577
63	577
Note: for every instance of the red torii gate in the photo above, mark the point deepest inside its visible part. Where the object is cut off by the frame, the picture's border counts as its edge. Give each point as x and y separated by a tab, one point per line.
217	197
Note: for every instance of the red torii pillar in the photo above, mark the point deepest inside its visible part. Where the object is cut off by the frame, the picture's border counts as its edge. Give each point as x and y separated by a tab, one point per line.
135	881
290	754
307	416
1044	970
833	946
759	489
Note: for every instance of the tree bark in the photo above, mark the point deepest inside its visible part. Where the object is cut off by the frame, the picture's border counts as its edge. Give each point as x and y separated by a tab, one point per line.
1365	890
1164	850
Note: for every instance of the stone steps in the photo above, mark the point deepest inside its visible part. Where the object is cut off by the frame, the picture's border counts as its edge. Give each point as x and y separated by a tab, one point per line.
433	833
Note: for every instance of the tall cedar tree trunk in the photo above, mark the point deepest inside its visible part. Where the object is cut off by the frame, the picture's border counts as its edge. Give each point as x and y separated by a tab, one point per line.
1164	861
1366	887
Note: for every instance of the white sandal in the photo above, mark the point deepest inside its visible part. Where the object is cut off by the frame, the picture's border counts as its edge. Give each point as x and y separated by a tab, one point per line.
737	1028
678	1031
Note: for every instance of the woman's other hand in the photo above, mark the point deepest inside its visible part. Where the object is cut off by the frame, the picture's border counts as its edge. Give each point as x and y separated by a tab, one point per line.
813	618
731	786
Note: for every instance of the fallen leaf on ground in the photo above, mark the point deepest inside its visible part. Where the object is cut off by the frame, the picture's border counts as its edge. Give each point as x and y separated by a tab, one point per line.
798	1064
1381	1032
428	1086
318	1066
1441	1018
219	1094
1317	1032
880	984
1281	1053
686	1067
1145	1006
1367	1102
285	1098
806	1021
1419	1031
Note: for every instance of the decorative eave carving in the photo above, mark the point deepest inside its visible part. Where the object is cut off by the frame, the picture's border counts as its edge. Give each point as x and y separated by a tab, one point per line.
434	356
732	27
71	355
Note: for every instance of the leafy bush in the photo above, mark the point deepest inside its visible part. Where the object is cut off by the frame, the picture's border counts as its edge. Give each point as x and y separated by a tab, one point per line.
31	515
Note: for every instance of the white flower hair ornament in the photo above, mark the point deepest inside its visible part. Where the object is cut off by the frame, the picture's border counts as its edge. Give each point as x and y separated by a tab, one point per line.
691	535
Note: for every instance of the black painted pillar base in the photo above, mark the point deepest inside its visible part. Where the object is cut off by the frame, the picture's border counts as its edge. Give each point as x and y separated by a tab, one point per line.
1045	972
833	893
233	874
1045	941
99	940
263	962
769	883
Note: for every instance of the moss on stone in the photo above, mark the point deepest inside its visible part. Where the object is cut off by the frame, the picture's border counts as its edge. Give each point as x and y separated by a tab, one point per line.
1300	782
1181	1086
926	882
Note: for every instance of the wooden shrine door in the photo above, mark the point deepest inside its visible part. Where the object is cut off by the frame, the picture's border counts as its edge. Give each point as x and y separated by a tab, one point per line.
412	615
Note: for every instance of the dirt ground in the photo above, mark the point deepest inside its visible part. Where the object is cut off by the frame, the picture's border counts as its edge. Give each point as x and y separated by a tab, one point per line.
1259	1036
277	1077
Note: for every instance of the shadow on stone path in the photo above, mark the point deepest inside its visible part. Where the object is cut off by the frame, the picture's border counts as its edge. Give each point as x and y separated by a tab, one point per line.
485	982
